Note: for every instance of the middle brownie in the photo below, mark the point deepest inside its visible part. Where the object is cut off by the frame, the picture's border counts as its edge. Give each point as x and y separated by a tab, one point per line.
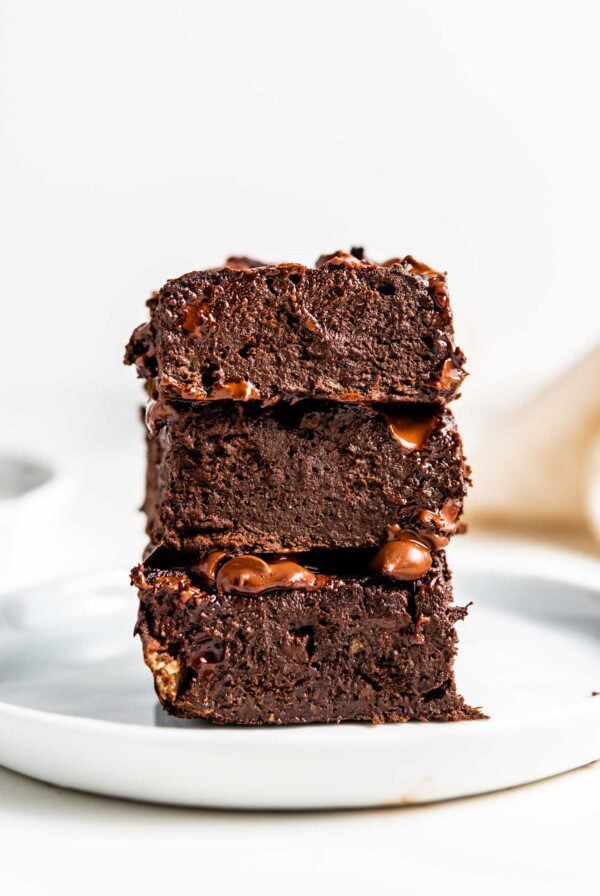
314	474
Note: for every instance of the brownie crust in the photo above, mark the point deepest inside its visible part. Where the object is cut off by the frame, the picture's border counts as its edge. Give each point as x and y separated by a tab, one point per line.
313	474
346	330
354	649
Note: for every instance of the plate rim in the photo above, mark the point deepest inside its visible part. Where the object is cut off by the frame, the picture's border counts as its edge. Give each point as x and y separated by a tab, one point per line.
583	706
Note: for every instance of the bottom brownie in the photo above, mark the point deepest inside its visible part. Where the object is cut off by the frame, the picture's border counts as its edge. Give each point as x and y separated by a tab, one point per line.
342	649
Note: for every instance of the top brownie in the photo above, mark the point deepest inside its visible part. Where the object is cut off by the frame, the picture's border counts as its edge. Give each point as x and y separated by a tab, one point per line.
346	330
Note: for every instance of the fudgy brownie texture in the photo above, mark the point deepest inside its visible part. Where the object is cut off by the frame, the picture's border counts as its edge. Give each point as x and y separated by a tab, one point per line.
347	330
346	649
313	474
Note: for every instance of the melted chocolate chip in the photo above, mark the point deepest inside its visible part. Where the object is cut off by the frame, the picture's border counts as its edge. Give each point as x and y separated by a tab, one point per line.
195	316
349	396
405	559
442	524
238	390
177	389
206	568
445	520
175	581
410	429
450	375
248	574
433	538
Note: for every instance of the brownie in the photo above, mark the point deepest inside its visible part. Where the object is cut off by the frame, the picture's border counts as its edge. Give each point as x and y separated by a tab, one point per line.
313	474
347	329
323	649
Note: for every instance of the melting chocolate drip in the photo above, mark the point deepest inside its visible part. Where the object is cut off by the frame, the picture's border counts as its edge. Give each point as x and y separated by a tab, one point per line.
248	574
406	556
207	567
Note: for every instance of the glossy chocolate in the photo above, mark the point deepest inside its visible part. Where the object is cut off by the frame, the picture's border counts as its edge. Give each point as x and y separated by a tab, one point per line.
206	568
248	574
410	429
404	559
171	386
195	316
450	375
446	520
238	390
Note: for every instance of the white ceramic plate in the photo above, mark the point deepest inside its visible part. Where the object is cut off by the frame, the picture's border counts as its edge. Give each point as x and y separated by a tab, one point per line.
78	708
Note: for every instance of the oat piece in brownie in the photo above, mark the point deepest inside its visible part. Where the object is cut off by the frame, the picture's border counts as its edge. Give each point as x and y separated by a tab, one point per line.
313	474
347	329
326	648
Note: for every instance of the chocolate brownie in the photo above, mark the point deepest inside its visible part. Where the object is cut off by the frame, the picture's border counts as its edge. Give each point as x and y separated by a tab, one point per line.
297	476
322	648
347	329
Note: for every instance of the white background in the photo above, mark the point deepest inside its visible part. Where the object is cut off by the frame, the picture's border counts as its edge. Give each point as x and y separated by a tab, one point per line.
142	140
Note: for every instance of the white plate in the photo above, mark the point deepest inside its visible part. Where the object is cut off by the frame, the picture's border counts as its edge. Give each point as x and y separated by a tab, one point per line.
78	708
30	489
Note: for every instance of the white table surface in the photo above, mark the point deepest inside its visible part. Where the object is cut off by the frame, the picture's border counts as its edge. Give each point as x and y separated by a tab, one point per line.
541	838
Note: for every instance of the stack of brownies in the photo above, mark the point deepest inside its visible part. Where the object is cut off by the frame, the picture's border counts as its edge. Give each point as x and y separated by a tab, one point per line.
304	476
